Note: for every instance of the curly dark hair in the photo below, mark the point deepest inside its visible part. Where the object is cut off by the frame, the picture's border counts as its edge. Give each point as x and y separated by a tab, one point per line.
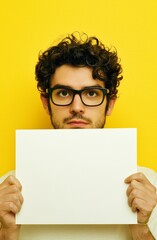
80	52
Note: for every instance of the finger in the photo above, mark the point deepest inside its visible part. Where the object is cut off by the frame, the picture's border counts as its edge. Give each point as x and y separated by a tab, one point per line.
139	191
21	199
143	210
12	207
143	188
138	205
133	195
15	198
9	190
141	204
12	198
134	185
12	203
140	177
11	180
138	194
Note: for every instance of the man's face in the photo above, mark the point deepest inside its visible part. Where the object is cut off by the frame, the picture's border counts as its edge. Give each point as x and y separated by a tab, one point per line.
76	115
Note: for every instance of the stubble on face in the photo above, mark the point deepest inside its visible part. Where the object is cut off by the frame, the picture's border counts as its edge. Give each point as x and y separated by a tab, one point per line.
64	124
76	116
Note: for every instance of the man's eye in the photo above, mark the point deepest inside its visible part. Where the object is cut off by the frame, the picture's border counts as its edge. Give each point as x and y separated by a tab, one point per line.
91	94
63	93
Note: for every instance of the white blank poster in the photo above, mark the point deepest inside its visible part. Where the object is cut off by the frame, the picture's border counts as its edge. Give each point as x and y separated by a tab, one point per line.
75	176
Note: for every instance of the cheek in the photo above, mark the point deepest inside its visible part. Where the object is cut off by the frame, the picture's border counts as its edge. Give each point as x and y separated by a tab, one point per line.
102	109
58	112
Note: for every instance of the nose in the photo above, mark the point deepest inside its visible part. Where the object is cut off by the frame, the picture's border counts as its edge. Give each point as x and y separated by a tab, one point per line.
77	105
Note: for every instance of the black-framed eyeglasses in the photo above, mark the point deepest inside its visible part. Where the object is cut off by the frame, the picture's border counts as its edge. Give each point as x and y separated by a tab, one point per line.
90	96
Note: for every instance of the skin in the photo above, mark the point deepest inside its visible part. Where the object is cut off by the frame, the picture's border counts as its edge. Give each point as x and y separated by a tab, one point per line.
142	198
76	115
10	203
141	193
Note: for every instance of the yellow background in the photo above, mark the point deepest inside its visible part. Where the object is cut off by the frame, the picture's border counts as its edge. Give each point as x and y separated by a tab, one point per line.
32	25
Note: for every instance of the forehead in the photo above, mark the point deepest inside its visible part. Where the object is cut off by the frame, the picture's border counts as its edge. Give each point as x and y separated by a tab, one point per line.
75	77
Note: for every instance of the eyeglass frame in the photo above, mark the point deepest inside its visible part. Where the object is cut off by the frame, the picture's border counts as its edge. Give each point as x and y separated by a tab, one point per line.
49	91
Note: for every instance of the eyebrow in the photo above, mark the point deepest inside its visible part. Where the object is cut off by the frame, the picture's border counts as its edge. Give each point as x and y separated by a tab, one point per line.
69	87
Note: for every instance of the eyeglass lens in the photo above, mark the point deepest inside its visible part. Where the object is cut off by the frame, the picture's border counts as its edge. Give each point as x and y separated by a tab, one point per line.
90	96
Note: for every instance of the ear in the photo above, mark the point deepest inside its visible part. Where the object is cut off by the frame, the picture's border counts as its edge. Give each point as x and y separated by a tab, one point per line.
45	103
110	107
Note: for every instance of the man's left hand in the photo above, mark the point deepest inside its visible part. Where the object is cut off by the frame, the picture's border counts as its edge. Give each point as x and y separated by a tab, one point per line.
142	197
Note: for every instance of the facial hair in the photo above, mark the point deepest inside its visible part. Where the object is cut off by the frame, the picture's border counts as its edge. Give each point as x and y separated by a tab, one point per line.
98	124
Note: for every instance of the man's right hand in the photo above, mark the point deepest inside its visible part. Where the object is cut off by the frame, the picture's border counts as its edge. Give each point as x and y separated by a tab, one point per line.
10	203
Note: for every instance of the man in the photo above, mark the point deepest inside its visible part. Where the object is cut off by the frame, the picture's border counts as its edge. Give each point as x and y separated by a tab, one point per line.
78	81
